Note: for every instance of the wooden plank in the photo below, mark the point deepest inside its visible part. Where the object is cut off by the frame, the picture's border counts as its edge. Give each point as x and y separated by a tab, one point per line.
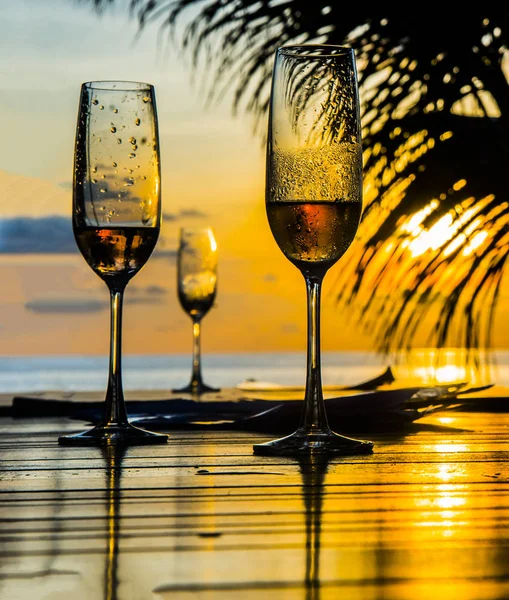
425	516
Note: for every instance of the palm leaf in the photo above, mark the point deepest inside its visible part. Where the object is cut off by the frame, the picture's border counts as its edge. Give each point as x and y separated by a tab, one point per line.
432	246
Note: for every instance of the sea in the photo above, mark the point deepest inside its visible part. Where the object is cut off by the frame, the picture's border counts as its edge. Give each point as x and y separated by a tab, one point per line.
163	372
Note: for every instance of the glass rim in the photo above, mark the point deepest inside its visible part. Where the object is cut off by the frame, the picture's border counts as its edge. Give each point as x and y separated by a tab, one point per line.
315	50
118	85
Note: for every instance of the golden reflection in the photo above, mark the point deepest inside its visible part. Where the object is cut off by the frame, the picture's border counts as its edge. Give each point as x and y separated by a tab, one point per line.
113	456
451	448
431	366
313	470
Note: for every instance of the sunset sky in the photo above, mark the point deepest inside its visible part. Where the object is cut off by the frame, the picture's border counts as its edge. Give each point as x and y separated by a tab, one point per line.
212	175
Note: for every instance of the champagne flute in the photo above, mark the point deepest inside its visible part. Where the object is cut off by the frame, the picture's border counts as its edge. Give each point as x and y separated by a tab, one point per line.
197	283
116	219
314	202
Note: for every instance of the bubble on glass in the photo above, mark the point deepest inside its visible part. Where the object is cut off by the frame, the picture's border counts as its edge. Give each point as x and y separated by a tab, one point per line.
115	110
132	155
101	107
95	101
132	140
137	121
113	129
114	164
119	140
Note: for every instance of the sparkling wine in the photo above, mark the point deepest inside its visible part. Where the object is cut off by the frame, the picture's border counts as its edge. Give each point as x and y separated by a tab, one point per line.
116	253
196	292
314	235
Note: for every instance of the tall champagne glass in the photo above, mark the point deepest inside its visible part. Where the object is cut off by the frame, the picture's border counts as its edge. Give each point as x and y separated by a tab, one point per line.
314	202
197	284
116	219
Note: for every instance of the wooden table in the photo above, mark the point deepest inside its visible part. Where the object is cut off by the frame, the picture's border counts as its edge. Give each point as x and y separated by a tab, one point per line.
424	517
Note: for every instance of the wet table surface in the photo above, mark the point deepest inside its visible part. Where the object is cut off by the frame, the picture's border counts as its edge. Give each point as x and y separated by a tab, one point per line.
425	516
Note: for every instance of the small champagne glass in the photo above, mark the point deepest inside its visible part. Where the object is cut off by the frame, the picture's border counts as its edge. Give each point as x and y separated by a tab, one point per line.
116	220
314	202
197	285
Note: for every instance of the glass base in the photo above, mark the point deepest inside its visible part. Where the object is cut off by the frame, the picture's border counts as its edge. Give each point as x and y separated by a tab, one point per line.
196	389
301	443
115	434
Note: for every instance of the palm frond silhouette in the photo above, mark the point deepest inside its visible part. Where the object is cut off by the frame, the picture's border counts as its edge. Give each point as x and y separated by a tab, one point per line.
434	238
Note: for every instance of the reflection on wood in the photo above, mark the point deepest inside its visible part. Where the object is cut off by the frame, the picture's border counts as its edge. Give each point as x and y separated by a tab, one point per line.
113	456
313	473
425	516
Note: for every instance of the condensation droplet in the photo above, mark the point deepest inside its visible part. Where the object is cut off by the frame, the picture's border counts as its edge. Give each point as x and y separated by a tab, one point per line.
119	141
135	147
94	170
94	180
113	129
113	164
95	101
137	121
146	99
102	190
132	155
115	110
101	107
132	140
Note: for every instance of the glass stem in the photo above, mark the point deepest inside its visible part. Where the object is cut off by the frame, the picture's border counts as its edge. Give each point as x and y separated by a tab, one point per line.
114	408
314	418
196	380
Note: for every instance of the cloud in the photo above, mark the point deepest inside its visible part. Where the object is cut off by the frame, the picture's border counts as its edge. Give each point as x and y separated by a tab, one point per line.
152	294
147	295
192	212
164	253
66	305
28	235
155	289
185	213
289	328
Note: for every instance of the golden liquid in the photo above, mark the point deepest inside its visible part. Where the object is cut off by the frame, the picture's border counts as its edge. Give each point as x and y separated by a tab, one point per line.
196	292
116	252
314	235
